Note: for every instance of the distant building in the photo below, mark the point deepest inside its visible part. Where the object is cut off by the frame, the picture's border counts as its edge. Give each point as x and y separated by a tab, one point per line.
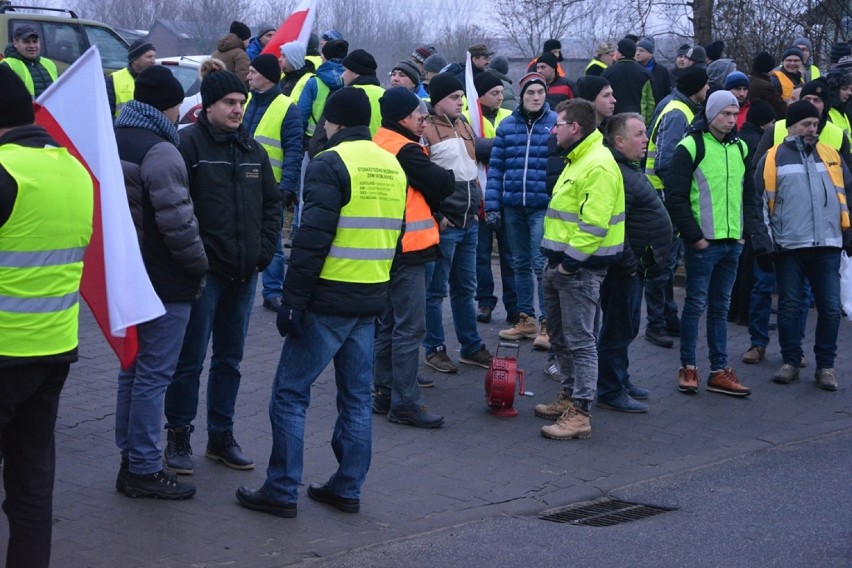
175	37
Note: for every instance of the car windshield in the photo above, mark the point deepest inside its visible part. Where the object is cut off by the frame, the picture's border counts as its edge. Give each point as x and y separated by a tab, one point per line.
188	77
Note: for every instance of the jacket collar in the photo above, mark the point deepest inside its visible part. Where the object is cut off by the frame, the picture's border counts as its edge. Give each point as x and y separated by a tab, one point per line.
348	134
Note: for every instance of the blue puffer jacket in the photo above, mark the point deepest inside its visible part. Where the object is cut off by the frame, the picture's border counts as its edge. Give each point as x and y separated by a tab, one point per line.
517	170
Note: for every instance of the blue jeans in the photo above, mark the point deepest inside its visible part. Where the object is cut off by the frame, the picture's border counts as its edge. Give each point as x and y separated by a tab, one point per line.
401	329
485	279
525	229
710	275
621	303
456	270
660	304
572	302
142	389
348	341
760	306
223	311
820	266
273	276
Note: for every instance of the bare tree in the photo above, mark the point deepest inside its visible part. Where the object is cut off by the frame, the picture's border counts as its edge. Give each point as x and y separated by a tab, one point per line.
211	19
527	24
133	14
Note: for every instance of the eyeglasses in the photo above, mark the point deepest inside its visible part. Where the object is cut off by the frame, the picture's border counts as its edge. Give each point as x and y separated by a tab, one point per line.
564	122
422	119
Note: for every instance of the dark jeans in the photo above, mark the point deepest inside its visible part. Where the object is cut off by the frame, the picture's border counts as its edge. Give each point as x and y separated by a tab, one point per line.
660	304
29	398
821	267
621	303
484	277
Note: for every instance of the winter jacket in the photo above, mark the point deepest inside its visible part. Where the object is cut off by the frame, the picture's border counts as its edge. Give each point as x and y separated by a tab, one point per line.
718	71
331	74
254	48
631	86
760	87
42	71
230	50
559	90
672	128
451	145
751	135
768	140
510	97
661	80
801	206
517	169
157	189
647	227
110	88
727	171
291	135
237	202
290	79
556	156
327	190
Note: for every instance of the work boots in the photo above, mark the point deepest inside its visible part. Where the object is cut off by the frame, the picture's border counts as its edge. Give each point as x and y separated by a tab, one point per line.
178	451
223	447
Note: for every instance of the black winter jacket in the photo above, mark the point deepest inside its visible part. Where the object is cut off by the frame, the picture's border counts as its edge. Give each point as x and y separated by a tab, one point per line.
327	189
237	202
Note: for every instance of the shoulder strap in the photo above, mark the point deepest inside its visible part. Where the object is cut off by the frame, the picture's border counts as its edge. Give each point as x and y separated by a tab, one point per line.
699	149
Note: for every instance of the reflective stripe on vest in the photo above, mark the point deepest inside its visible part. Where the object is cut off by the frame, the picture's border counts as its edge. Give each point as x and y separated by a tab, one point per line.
421	230
841	121
318	106
365	240
716	195
652	140
41	251
21	70
124	86
787	85
374	93
831	135
268	132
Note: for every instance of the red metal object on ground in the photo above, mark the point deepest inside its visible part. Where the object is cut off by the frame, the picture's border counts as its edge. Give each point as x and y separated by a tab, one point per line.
501	378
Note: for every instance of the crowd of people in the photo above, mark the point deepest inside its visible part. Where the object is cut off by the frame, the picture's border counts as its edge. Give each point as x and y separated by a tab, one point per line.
596	187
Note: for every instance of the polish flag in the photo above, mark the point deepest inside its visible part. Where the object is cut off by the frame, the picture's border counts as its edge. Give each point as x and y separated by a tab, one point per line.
75	112
297	27
476	118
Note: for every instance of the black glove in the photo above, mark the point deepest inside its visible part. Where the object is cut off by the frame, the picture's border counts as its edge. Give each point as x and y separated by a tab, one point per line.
290	198
766	262
289	321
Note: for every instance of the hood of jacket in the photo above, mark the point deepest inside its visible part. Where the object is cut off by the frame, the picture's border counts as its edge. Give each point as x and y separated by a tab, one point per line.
331	73
228	42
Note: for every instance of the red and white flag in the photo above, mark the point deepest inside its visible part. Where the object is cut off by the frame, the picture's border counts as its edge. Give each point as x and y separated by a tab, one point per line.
475	110
297	27
75	112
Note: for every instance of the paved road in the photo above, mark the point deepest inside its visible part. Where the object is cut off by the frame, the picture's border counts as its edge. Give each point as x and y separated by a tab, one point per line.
476	479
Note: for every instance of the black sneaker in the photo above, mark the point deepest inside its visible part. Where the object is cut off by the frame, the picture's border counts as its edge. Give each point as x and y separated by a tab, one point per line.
417	416
160	485
272	304
121	479
481	358
483	314
260	501
381	402
223	447
658	338
323	494
425	382
177	455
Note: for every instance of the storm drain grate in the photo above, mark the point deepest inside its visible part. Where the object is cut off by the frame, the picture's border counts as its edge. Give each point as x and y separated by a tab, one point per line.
603	513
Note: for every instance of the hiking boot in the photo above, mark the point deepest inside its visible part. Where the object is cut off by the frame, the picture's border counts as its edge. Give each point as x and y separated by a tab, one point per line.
323	494
417	416
786	374
639	393
754	355
260	501
658	338
726	381
483	314
623	403
524	329
803	363
425	382
481	358
178	451
542	340
687	380
555	408
439	361
574	424
381	402
826	379
223	447
160	485
512	317
121	479
551	369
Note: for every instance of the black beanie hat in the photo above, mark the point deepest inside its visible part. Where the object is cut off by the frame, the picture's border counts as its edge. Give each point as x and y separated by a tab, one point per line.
763	63
348	106
794	51
409	69
627	48
443	85
137	49
360	62
240	30
267	65
335	49
590	86
398	102
551	44
819	88
714	50
838	50
15	100
801	110
549	59
158	87
760	112
486	81
218	83
691	80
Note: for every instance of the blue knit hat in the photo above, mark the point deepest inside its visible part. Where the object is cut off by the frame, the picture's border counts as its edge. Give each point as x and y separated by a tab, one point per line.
736	79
